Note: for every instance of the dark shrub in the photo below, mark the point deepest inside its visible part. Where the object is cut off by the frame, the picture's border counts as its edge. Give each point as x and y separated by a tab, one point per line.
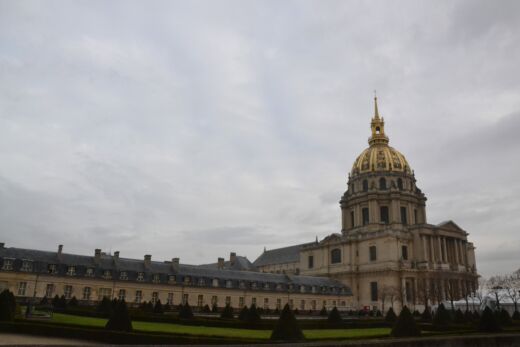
158	308
379	313
442	317
504	319
244	312
7	306
252	315
120	319
296	311
334	316
105	307
44	301
287	328
227	312
468	316
416	314
214	308
55	301
426	316
390	315
166	307
405	325
73	302
488	322
206	309
476	316
459	317
323	311
516	315
62	302
185	312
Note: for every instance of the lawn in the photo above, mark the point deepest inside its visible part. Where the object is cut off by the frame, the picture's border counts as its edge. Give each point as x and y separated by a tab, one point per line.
227	332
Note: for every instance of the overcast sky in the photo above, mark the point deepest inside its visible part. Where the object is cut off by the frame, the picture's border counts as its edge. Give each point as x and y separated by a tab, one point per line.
195	128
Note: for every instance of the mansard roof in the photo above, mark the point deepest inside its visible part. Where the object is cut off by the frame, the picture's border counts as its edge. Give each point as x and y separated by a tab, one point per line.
283	255
240	264
162	272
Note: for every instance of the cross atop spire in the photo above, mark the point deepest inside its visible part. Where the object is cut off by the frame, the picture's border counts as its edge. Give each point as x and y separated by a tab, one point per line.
376	111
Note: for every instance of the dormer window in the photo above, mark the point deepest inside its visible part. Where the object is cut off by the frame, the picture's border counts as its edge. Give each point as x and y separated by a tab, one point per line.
241	285
214	283
314	289
171	279
107	274
229	284
26	266
156	278
140	276
279	286
89	272
71	271
365	185
8	264
123	275
382	183
253	285
266	286
52	269
187	280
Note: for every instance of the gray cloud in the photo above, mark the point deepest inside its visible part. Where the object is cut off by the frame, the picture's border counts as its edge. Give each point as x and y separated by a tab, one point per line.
189	128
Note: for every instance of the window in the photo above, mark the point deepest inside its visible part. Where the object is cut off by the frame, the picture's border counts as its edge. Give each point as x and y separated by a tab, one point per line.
185	298
400	184
335	256
155	297
266	303
169	301
404	218
140	276
67	292
8	264
373	253
156	278
138	296
200	300
278	304
49	290
364	211
122	294
279	286
214	300
171	279
373	291
71	271
313	305
383	210
215	282
253	301
228	301
187	280
302	289
107	274
382	183
253	285
291	303
333	303
310	262
89	272
241	302
22	287
242	285
415	216
87	291
229	284
324	303
52	269
302	305
365	185
123	275
266	286
26	266
404	252
343	303
104	293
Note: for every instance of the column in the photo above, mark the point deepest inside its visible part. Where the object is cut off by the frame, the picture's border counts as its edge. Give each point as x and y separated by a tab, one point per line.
432	251
415	291
403	291
425	248
445	250
456	244
441	258
443	290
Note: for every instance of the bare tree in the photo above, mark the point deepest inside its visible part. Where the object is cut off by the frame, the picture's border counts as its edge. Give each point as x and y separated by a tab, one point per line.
511	285
389	293
480	291
495	286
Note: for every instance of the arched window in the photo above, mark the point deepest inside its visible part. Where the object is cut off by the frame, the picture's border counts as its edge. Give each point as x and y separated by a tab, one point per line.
365	185
378	130
382	183
400	184
335	256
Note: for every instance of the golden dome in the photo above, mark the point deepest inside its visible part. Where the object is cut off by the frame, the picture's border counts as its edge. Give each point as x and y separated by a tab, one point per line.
379	156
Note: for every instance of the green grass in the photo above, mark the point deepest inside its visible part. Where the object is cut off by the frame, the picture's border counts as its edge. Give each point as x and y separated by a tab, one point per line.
227	332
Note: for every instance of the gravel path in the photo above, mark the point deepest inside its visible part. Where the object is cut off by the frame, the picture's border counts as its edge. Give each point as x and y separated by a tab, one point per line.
19	339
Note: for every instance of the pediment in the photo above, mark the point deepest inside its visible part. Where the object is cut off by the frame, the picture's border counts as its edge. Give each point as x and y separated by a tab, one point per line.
331	238
450	225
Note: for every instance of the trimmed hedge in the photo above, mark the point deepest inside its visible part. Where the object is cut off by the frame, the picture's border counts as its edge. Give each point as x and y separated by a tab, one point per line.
287	327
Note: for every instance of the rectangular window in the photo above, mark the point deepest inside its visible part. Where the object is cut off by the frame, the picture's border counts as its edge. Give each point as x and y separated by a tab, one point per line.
156	278
373	253
364	211
140	276
7	265
352	219
313	305
404	252
26	266
404	217
67	291
373	291
228	300
278	304
241	302
22	287
291	303
123	275
49	290
311	261
104	293
384	214
229	284
107	274
138	296
86	293
185	298
324	303
52	269
155	297
171	279
266	303
253	301
71	271
200	301
302	305
415	216
89	272
122	294
169	301
214	300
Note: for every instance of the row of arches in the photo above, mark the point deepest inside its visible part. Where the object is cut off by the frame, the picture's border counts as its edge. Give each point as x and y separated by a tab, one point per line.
383	184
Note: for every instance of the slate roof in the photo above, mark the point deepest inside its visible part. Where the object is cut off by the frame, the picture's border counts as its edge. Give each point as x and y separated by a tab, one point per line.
163	272
240	264
283	255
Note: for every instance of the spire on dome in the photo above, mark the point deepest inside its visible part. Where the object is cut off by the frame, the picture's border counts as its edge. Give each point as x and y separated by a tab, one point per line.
378	127
376	111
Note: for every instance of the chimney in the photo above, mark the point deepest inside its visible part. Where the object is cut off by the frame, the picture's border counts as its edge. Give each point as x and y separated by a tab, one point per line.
116	255
220	263
147	260
2	245
175	264
232	258
97	255
60	249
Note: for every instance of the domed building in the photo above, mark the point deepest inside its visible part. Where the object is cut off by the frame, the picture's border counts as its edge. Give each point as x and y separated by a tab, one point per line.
387	252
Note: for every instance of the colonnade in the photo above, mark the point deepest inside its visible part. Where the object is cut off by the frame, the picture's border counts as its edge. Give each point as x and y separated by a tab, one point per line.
445	250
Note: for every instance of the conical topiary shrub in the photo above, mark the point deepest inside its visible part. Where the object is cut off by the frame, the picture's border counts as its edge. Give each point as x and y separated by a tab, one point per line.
7	306
243	313
73	302
104	307
504	319
426	316
405	325
227	313
390	316
185	311
253	315
120	319
323	311
459	317
488	322
158	307
334	316
516	315
442	317
287	328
